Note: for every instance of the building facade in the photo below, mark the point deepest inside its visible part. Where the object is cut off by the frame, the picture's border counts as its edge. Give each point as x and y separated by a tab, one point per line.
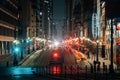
68	21
9	16
44	18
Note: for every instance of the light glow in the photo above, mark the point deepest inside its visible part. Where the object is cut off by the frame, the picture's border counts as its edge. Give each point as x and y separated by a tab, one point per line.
16	49
55	55
16	42
56	43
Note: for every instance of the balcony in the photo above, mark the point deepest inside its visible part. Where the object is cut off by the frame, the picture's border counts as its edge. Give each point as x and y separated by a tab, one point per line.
10	13
8	19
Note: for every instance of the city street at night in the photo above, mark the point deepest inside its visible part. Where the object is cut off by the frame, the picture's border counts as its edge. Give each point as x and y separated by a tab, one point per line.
59	40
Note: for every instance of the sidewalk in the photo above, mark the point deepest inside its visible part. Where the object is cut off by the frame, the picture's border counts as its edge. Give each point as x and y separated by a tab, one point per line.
106	61
4	59
7	60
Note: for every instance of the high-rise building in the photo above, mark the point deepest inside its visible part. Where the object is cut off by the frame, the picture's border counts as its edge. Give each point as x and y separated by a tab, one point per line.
44	18
77	28
27	20
68	22
9	16
17	21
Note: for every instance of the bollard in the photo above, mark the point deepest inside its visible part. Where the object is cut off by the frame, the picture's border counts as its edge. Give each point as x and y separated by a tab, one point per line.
71	70
78	72
103	67
86	71
65	71
7	63
106	68
94	68
98	68
91	69
106	72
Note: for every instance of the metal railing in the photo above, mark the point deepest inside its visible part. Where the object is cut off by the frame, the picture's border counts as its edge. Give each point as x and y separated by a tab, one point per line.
76	72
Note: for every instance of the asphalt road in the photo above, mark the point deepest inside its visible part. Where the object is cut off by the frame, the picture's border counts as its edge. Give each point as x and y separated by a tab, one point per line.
21	73
43	57
25	77
31	60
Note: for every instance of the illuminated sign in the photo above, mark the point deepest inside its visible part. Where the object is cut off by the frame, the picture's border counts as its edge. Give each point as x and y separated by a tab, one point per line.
118	26
118	42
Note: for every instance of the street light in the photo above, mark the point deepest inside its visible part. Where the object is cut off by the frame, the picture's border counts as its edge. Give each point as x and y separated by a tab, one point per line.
97	63
22	48
97	50
97	59
16	49
27	42
111	64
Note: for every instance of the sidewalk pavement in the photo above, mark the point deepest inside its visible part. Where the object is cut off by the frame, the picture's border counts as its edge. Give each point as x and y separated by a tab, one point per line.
7	60
4	59
105	60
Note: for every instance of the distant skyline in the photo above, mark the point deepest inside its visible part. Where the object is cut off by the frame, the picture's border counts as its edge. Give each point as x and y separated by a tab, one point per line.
58	16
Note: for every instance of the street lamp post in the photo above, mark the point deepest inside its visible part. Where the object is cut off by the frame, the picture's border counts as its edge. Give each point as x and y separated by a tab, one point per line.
97	52
15	60
97	63
28	45
15	51
21	53
97	57
111	64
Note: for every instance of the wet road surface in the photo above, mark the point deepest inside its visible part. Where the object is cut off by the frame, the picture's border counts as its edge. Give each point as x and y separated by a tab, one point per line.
21	73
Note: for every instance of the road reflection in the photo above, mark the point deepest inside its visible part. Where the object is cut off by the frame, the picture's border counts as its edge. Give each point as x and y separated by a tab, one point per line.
21	70
55	69
16	71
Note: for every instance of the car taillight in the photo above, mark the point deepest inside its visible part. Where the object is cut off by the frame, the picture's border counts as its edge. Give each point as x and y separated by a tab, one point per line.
55	55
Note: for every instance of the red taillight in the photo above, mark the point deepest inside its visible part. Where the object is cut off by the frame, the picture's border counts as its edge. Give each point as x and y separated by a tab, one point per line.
55	69
55	55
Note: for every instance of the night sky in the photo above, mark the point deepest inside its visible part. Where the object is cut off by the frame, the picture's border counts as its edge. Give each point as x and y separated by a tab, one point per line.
59	14
58	9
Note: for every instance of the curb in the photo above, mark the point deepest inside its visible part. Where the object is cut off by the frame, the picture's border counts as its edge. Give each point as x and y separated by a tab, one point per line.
21	62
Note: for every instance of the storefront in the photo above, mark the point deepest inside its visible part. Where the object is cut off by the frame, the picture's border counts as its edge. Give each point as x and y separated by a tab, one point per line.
118	55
